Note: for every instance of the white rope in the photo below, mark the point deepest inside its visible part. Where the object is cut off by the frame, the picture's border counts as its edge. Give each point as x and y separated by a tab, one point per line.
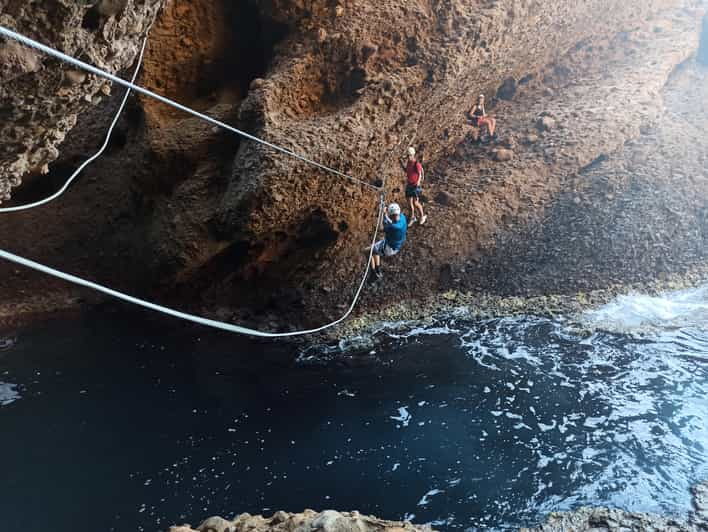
191	317
5	32
91	159
11	257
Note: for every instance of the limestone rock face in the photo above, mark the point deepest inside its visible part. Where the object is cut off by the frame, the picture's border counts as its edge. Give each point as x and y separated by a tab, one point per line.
41	98
308	521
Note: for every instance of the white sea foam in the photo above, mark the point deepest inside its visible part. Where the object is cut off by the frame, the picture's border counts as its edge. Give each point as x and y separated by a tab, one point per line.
8	393
403	416
642	313
424	501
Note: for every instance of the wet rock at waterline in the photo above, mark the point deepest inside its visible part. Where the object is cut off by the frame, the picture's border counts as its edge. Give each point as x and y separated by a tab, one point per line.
580	520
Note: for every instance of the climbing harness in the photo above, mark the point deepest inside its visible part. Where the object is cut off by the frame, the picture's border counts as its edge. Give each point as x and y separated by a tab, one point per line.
91	159
140	302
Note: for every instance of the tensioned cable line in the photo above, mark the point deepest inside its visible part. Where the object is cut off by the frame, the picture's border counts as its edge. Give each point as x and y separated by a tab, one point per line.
91	159
5	32
192	317
146	304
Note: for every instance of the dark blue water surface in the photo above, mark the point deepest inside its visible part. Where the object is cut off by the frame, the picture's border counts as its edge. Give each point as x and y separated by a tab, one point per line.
114	423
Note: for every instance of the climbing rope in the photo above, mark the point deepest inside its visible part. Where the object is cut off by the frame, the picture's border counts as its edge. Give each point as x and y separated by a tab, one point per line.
140	302
91	159
5	32
192	317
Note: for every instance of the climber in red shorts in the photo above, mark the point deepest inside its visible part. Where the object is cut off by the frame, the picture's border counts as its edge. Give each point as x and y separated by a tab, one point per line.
414	180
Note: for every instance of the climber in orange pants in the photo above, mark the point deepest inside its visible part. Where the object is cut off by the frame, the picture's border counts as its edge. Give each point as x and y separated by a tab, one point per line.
480	118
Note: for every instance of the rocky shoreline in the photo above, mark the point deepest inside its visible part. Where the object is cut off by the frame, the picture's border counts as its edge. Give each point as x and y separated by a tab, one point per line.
361	332
580	520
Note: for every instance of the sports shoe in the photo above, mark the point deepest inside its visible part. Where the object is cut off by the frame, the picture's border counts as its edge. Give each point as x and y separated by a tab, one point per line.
424	219
413	220
379	274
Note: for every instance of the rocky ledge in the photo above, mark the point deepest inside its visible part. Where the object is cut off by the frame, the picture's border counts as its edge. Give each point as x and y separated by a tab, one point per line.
581	520
308	521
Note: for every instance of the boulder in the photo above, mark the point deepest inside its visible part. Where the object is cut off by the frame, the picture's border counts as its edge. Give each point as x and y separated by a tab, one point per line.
257	83
17	60
545	123
503	154
327	521
321	35
108	8
216	524
443	198
507	90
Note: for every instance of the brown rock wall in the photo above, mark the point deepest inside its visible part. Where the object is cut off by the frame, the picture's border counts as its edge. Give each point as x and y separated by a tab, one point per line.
41	98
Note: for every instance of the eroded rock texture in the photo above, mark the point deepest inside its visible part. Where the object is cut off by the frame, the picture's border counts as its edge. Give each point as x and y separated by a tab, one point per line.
195	215
40	97
308	521
580	520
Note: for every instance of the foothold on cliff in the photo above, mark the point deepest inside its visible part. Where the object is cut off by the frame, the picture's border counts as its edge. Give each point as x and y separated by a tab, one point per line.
321	35
443	198
507	91
108	8
545	123
74	77
16	60
257	83
502	154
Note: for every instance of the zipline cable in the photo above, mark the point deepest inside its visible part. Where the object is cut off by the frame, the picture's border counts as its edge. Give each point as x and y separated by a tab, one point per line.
5	32
91	159
11	257
192	317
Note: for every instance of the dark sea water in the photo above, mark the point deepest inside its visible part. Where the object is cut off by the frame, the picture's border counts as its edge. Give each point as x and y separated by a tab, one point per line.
114	423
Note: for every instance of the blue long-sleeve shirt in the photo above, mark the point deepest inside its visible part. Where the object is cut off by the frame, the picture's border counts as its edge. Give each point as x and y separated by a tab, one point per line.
396	231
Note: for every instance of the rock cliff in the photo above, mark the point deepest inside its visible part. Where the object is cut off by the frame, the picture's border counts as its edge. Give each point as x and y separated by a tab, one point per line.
195	216
41	98
580	520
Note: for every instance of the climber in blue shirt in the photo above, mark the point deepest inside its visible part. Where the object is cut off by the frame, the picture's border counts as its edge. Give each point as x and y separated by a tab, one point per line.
395	228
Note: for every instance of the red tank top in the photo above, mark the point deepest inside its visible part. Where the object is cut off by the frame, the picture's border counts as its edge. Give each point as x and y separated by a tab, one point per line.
413	171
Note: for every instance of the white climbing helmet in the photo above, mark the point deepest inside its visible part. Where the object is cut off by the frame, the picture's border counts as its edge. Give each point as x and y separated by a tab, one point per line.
411	151
394	209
